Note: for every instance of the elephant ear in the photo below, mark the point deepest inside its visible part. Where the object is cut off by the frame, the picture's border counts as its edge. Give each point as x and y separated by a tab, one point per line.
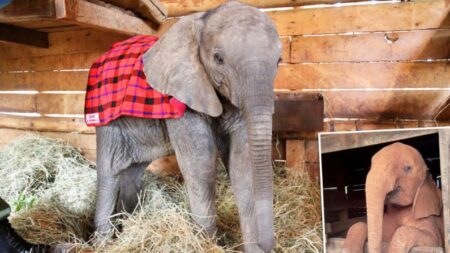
172	66
428	200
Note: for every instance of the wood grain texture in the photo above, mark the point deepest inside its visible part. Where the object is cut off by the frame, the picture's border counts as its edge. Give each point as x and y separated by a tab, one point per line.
50	63
15	34
420	105
150	9
110	19
43	103
412	45
62	43
44	81
338	142
363	18
46	124
86	142
364	75
25	10
183	7
444	154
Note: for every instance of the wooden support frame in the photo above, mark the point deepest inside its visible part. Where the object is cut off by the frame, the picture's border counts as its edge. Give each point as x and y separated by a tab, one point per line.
78	12
150	9
10	33
84	13
444	150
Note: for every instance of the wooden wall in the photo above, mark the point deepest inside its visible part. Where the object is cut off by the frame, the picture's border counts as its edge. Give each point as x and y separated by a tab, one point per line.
376	65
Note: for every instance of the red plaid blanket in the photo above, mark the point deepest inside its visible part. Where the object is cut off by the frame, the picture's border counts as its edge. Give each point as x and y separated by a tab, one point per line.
117	86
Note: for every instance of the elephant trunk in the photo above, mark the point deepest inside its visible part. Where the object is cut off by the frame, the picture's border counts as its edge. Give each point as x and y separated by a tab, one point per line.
377	187
258	117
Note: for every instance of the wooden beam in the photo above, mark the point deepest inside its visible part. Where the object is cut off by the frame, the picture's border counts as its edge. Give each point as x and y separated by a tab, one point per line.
153	10
49	124
411	45
184	7
337	142
65	43
24	36
25	10
361	18
363	75
88	14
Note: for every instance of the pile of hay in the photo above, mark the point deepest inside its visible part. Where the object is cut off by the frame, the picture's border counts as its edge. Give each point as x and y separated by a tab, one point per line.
61	185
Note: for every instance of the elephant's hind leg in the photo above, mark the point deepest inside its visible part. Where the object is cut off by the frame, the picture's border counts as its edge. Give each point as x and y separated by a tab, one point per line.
405	238
192	139
130	187
356	237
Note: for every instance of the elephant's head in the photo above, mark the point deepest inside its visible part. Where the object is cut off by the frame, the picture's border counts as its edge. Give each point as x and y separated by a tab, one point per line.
398	176
230	54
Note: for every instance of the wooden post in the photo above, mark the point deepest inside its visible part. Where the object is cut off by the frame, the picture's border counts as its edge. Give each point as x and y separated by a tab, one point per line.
444	150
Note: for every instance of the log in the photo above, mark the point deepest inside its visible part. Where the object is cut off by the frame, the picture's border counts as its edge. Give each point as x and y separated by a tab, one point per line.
402	46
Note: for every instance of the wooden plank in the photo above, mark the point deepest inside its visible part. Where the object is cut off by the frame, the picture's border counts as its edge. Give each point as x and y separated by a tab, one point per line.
380	105
391	16
46	124
183	7
101	17
24	36
444	153
25	10
43	103
298	112
49	63
61	43
295	153
286	49
337	142
86	142
151	9
44	81
364	75
443	111
412	45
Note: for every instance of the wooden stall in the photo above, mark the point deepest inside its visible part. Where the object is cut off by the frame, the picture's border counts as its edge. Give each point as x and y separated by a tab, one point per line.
371	65
346	162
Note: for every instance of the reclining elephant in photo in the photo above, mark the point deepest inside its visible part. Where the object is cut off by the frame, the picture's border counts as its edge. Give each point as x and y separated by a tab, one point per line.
221	64
404	206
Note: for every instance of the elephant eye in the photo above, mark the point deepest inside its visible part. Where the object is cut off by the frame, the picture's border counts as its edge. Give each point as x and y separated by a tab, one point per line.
407	168
218	59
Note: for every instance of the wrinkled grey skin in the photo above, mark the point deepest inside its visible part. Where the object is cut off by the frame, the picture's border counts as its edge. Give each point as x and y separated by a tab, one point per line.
222	65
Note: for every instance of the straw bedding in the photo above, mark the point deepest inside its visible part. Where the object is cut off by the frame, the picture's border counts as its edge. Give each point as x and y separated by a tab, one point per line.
51	188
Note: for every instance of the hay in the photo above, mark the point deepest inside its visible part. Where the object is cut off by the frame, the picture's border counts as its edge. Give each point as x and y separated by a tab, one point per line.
162	222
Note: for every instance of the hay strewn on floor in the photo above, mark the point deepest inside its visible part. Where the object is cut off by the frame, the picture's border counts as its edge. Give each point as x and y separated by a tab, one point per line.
52	189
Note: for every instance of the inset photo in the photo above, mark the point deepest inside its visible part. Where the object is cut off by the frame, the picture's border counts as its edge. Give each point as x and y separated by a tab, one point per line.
385	191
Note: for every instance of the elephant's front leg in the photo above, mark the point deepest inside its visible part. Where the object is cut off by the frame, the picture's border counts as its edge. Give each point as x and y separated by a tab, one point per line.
192	140
405	238
241	176
356	238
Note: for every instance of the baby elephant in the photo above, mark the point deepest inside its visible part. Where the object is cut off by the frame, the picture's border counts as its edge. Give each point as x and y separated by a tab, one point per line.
404	205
